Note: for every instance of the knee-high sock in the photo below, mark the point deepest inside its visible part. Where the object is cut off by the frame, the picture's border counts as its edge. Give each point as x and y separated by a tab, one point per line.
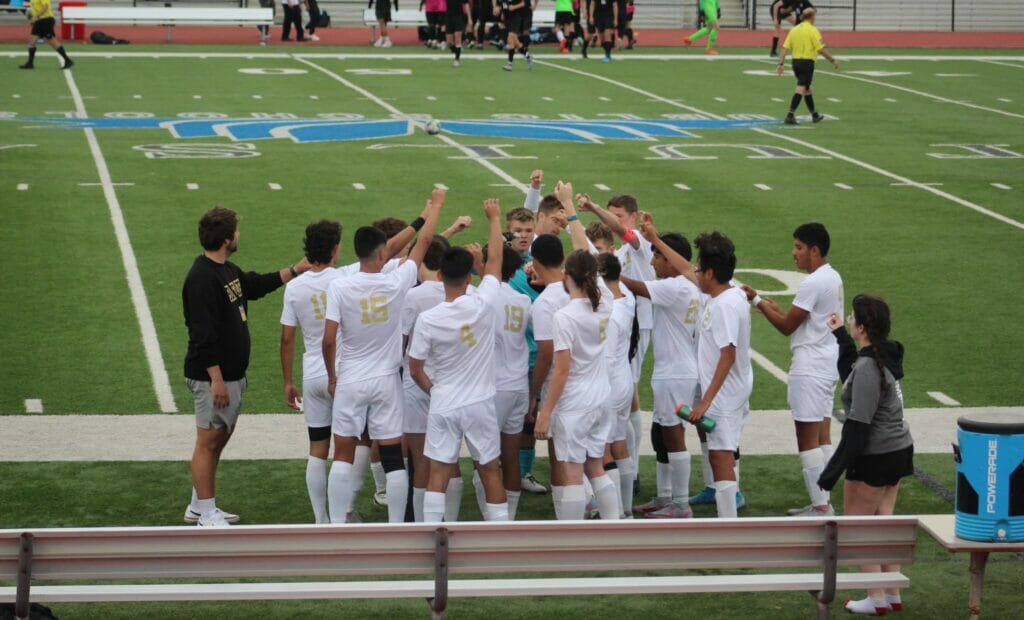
633	433
703	32
736	471
813	463
453	499
398	488
616	477
588	489
574	503
360	465
705	466
513	503
795	102
339	491
607	495
417	503
526	458
827	451
496	512
712	37
725	498
775	44
558	499
478	490
193	504
663	473
31	54
316	486
379	480
809	100
626	477
433	507
679	465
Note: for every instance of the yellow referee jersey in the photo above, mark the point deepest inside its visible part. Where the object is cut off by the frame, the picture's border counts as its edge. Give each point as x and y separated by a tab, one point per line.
41	9
804	41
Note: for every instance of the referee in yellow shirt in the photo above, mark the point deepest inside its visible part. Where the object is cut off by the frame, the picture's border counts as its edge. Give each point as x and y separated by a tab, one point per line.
42	28
806	43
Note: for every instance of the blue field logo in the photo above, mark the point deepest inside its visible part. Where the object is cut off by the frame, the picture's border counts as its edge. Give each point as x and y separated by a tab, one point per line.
328	130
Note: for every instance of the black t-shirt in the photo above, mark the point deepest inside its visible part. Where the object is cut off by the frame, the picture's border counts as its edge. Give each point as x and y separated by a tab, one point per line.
454	7
215	302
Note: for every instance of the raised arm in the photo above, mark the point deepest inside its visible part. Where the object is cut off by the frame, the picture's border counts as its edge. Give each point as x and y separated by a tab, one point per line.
637	287
427	232
650	233
628	236
563	191
495	242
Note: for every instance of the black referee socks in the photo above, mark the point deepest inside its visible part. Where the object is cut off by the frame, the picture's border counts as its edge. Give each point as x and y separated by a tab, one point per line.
809	100
795	103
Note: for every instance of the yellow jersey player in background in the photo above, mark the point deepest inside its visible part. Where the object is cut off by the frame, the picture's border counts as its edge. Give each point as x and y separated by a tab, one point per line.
806	43
42	23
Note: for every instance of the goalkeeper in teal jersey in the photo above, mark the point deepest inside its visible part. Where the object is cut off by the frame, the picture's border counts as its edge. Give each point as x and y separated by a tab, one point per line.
710	12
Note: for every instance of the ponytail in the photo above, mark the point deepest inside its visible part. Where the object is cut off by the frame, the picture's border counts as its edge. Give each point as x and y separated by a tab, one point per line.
872	313
581	266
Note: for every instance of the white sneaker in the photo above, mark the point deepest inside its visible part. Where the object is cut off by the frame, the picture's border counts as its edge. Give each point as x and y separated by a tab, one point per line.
380	498
192	517
214	519
456	63
797	511
811	511
530	485
387	42
313	37
379	42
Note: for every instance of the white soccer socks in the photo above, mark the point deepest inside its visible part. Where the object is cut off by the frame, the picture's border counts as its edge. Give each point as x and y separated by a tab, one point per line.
626	477
453	500
616	477
663	476
557	497
433	507
316	486
397	484
360	465
417	503
607	495
478	489
705	466
826	452
513	503
636	425
204	506
868	606
496	512
379	480
725	498
574	503
339	491
679	468
813	463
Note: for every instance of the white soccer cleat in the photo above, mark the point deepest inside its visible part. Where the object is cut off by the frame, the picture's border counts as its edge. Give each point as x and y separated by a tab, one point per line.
387	42
811	511
214	519
192	517
530	485
379	42
380	498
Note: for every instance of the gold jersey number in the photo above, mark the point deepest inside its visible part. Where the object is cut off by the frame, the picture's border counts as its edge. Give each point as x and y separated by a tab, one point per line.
375	309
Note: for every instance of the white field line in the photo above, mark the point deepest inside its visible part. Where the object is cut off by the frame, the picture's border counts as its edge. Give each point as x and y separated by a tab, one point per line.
763	187
274	186
161	382
843	186
943	399
770	366
359	186
192	186
471	154
1001	186
400	56
33	405
22	187
1002	64
683	186
602	187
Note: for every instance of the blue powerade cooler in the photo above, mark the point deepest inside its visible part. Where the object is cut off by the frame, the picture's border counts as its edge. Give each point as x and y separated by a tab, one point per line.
990	477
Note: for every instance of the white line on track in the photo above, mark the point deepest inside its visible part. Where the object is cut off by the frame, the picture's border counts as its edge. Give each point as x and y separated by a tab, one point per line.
763	187
274	186
683	187
192	186
359	186
1001	186
945	400
843	186
22	187
33	405
161	382
602	187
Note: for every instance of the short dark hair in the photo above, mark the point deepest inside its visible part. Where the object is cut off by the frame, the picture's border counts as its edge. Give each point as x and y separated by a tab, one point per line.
217	226
321	237
609	267
547	250
368	239
813	235
456	265
519	214
717	252
435	252
511	261
679	243
549	204
624	201
390	225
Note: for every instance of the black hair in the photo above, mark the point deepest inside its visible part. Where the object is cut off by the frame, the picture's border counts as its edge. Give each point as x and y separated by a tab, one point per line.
511	261
679	243
321	237
456	265
718	253
217	226
609	267
390	225
435	252
872	313
549	204
813	235
548	251
368	240
581	266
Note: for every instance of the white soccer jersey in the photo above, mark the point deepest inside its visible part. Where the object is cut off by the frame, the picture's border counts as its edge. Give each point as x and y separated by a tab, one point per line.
367	308
420	299
815	350
510	346
620	332
353	268
676	304
726	320
457	337
542	316
583	332
636	265
305	306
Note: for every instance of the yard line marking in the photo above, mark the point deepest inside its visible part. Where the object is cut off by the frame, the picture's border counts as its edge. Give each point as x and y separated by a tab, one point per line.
22	187
604	98
99	184
769	366
257	96
33	405
1001	186
441	186
314	97
1005	100
945	400
470	153
722	99
835	100
274	186
890	100
762	187
777	99
547	98
16	96
197	96
136	96
602	187
931	183
683	187
843	186
488	98
192	186
359	186
431	98
1003	64
161	382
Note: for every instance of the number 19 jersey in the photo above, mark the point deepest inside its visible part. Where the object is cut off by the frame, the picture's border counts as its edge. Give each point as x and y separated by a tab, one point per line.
305	306
511	348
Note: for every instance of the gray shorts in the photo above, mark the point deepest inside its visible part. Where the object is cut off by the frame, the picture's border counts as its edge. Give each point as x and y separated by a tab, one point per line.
208	416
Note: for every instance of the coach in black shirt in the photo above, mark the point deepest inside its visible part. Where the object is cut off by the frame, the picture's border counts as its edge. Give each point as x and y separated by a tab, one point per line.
215	300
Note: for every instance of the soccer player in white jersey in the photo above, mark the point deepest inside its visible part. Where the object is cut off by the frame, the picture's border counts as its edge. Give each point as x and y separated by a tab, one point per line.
457	337
574	409
813	374
620	378
676	303
428	294
635	257
365	309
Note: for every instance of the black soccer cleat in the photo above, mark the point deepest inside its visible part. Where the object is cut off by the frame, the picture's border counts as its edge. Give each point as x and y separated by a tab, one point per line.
27	65
70	63
817	118
790	120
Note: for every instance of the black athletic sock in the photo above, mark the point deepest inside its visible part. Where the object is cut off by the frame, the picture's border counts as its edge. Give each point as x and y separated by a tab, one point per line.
523	50
511	53
586	44
458	52
607	45
63	54
809	100
795	103
31	54
775	45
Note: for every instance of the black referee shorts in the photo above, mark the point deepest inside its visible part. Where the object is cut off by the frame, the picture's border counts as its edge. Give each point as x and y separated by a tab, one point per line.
43	28
804	72
515	21
454	22
383	10
564	17
604	17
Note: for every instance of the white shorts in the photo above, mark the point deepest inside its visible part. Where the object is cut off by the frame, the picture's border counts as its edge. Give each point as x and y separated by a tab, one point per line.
317	402
478	423
636	364
668	394
728	429
810	398
511	409
417	406
619	410
374	403
579	434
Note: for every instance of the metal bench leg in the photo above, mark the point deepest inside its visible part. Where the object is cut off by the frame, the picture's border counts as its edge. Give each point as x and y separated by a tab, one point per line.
977	569
831	562
439	603
21	598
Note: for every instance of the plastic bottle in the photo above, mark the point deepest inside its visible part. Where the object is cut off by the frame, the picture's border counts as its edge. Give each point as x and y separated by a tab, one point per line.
705	424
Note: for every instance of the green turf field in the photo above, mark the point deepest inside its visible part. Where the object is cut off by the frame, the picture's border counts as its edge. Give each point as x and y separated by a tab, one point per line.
939	237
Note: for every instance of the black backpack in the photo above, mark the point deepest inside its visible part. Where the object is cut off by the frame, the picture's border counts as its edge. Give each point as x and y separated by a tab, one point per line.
36	612
101	38
324	20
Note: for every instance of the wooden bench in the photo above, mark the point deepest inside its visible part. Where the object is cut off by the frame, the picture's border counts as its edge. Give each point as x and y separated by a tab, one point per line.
168	16
435	552
542	18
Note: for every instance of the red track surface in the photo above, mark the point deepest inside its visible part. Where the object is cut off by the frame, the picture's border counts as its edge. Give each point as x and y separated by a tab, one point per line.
407	36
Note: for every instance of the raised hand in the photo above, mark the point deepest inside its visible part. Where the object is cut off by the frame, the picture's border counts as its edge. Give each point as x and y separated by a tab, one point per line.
492	207
536	178
563	191
583	203
437	196
750	293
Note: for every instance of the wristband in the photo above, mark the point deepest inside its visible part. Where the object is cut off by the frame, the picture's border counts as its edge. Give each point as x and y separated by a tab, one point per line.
756	300
291	268
629	235
573	218
418	223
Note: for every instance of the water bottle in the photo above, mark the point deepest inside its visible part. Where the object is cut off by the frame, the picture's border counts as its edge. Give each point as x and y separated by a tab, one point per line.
705	424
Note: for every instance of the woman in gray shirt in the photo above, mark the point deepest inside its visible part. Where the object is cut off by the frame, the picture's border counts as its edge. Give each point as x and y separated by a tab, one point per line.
876	449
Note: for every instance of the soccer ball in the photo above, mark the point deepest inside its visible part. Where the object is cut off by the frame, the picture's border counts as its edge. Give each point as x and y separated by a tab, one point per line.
432	127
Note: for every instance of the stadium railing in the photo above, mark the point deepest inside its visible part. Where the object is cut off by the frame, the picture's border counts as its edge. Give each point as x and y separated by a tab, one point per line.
195	557
168	16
